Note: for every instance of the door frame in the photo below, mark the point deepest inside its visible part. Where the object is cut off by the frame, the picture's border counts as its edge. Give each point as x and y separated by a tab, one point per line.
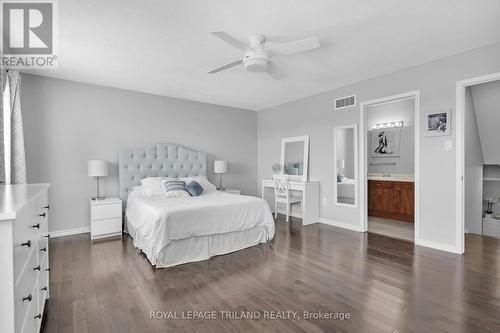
363	141
460	152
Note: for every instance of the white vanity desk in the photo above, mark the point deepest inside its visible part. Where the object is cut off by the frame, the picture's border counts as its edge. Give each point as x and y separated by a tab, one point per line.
310	197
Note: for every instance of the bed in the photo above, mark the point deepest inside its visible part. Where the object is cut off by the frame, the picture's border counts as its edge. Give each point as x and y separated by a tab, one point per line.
173	231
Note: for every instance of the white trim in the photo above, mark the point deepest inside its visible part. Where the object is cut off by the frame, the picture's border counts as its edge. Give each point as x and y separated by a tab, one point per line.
69	232
305	139
460	153
364	161
342	225
437	246
356	174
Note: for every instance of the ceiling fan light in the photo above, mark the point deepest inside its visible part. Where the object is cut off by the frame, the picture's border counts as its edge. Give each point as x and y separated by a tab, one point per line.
256	65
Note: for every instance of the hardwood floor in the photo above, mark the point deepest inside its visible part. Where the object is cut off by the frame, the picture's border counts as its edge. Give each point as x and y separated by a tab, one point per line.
386	285
391	228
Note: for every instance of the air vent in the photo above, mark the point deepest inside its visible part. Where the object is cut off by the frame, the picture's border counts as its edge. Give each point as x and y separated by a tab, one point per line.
345	102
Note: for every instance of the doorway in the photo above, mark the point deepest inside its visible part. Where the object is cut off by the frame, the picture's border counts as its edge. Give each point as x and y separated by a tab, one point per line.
478	158
389	163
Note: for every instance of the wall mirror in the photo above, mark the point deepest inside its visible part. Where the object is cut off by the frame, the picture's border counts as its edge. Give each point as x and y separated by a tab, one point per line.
345	157
295	157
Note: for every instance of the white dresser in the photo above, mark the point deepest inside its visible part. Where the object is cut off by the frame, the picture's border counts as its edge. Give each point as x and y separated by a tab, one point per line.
24	257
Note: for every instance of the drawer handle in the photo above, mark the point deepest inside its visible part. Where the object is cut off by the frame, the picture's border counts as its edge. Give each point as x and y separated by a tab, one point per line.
47	269
47	207
43	249
46	236
44	289
38	316
37	268
36	226
28	298
42	215
28	243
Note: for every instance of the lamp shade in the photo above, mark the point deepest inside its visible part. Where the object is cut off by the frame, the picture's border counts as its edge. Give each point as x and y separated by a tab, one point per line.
220	167
97	168
341	164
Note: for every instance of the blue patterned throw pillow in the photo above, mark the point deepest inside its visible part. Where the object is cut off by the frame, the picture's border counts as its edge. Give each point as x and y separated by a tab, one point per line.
176	188
194	188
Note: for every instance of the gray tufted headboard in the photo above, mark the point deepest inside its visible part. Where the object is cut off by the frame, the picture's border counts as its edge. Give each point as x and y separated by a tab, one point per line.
158	160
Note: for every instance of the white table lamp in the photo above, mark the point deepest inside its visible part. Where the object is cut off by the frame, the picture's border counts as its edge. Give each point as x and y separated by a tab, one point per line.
97	168
220	167
340	165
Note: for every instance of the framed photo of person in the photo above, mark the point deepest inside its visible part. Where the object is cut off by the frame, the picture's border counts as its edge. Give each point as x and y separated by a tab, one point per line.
439	124
385	142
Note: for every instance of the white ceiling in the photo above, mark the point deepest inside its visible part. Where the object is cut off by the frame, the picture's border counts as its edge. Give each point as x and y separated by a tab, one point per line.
164	46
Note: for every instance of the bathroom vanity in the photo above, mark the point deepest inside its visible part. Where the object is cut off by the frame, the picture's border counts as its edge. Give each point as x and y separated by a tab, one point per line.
391	197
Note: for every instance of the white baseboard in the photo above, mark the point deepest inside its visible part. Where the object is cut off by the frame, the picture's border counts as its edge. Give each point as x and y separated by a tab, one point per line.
69	232
343	225
437	246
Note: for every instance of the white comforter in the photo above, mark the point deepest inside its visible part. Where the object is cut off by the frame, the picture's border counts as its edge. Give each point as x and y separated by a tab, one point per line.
162	219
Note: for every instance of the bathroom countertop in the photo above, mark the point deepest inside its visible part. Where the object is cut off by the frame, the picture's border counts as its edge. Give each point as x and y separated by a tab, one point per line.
392	177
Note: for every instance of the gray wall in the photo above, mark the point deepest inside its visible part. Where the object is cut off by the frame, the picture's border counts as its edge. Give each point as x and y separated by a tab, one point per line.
474	161
486	100
66	123
387	112
316	117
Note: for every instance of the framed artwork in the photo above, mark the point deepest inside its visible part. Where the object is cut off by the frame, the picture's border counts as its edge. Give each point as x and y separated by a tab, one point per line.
385	142
439	124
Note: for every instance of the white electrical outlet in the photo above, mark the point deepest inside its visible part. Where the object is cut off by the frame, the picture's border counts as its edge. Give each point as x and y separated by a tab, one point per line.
325	201
448	145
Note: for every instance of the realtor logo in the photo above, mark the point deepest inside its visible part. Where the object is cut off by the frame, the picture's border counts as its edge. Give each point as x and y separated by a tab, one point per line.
28	31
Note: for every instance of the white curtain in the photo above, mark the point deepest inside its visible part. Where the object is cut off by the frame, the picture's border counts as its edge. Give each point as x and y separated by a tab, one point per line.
12	154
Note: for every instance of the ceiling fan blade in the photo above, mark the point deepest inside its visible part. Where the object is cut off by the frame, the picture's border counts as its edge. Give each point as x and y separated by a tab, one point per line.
226	66
295	46
230	40
275	72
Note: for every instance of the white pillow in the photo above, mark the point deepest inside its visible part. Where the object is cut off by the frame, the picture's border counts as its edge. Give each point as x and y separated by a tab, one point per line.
174	194
138	190
154	186
203	181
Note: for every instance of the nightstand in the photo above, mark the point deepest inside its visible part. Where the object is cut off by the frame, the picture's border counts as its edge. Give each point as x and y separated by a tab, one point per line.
232	191
105	218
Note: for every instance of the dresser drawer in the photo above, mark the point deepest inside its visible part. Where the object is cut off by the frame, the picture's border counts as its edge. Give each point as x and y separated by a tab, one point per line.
25	232
24	289
43	285
42	250
101	212
106	227
31	322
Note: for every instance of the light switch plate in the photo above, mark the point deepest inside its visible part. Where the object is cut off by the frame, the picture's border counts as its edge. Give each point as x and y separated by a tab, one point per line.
448	145
325	201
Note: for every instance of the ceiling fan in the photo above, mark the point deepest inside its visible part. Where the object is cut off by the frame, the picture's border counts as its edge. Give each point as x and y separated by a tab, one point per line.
257	56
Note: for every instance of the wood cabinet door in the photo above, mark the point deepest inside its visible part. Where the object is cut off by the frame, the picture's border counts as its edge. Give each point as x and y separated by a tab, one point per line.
375	201
408	201
398	203
387	195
